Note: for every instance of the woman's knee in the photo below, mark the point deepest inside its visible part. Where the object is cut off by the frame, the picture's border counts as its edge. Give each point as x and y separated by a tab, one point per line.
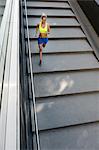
40	47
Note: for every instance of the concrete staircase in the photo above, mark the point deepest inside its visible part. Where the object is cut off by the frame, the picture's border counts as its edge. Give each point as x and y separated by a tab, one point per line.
67	83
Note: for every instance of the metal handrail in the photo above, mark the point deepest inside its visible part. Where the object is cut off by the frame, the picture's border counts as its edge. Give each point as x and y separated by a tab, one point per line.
32	83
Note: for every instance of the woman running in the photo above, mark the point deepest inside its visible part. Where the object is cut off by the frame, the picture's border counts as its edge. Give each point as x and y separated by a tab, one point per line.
44	29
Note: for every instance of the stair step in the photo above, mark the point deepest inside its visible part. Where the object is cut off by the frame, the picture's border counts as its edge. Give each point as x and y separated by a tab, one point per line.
47	1
66	83
56	46
66	32
65	111
2	3
31	4
50	12
64	62
0	19
54	21
1	10
79	137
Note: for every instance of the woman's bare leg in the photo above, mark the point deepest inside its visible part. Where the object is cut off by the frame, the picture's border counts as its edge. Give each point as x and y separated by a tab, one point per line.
40	50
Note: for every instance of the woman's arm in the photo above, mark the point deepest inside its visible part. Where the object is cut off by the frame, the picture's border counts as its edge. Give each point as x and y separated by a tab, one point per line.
49	29
37	28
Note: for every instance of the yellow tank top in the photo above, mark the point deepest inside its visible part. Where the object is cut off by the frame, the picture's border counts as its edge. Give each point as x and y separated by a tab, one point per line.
42	30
